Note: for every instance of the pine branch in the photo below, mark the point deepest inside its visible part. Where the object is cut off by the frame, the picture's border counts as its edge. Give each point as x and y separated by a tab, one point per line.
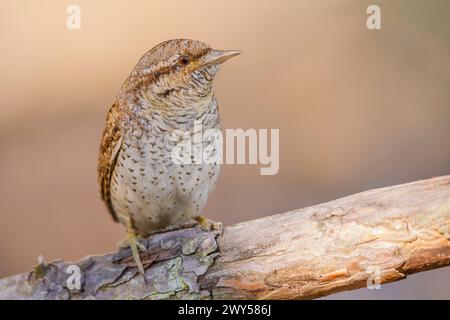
375	236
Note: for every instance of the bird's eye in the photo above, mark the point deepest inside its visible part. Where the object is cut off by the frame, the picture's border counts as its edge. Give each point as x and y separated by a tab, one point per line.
184	60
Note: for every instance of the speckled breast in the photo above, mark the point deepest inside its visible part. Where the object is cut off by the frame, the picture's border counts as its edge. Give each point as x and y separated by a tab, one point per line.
152	189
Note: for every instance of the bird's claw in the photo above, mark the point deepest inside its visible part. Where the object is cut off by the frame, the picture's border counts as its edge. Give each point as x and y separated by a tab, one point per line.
125	244
132	242
208	224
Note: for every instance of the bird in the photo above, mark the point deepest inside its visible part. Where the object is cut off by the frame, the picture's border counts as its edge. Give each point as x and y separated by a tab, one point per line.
169	90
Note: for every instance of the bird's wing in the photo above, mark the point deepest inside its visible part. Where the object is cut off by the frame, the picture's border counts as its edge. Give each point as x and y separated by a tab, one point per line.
109	150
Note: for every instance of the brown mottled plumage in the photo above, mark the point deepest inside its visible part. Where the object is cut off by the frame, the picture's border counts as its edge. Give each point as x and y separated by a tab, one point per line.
169	89
109	149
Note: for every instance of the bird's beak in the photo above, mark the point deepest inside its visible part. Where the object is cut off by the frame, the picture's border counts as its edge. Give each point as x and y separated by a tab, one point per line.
218	56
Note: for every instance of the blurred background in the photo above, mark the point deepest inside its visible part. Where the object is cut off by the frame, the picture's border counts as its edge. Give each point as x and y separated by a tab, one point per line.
357	109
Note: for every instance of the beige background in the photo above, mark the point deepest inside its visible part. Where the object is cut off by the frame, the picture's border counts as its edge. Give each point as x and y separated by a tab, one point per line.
357	109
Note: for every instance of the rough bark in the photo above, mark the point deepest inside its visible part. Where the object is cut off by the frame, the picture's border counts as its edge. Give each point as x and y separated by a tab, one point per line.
381	235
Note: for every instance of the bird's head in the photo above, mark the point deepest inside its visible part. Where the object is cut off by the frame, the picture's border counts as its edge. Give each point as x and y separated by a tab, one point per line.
177	73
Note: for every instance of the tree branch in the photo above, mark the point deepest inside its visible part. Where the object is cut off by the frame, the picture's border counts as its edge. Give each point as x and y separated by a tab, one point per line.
380	235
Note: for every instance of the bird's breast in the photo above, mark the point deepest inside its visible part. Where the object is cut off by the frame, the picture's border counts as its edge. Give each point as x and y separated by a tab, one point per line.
153	189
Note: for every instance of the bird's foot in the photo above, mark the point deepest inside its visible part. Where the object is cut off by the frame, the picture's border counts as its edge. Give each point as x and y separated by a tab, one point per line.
125	243
208	224
132	242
